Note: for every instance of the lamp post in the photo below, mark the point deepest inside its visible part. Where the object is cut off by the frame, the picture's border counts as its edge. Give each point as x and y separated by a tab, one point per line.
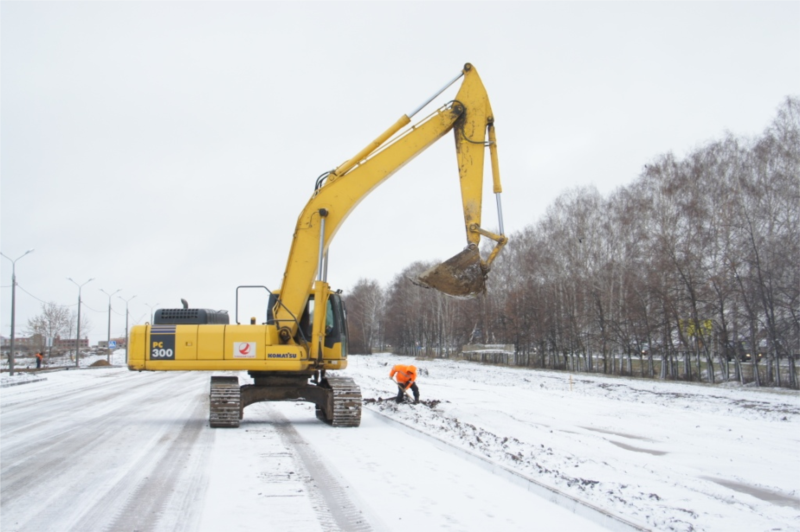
127	336
78	335
151	310
108	341
13	307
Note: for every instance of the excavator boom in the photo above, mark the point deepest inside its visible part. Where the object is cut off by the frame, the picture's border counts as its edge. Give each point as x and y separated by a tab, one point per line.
470	117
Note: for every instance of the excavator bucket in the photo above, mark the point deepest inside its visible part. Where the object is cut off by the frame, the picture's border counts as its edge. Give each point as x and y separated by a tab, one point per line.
463	275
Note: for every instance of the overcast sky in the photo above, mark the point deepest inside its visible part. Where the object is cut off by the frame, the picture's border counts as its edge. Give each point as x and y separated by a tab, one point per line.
166	149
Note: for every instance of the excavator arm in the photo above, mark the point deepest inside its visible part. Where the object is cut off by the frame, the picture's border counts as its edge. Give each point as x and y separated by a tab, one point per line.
338	192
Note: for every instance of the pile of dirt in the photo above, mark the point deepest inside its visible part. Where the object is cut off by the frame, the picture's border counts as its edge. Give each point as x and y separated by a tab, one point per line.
391	401
100	362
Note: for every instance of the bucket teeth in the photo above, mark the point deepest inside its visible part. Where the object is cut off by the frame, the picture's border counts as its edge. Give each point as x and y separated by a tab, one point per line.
462	275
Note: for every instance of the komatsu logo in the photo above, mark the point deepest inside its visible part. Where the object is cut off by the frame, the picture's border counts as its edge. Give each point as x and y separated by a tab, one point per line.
281	355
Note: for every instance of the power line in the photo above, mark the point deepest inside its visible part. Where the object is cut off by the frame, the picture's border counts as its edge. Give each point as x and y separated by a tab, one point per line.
46	302
83	303
33	296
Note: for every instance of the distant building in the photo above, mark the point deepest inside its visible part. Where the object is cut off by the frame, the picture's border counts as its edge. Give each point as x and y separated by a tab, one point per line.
69	343
25	344
37	340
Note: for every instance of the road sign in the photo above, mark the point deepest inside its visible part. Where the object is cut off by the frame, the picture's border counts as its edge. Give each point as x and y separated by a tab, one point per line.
112	344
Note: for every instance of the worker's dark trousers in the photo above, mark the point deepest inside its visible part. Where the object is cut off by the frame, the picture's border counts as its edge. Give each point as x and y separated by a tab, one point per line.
401	394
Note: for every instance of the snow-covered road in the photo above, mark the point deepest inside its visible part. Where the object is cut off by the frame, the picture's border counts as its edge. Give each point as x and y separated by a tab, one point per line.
103	449
108	449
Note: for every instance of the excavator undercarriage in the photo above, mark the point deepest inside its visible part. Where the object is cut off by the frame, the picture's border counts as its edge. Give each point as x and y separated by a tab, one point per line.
337	399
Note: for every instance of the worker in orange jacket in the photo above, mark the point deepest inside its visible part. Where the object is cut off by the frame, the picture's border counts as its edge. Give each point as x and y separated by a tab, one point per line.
39	359
405	377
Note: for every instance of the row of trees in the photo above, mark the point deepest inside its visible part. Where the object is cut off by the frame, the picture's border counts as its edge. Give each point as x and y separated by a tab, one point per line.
56	321
692	272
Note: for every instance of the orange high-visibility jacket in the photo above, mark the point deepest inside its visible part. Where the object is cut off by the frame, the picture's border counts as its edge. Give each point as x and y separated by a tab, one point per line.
406	375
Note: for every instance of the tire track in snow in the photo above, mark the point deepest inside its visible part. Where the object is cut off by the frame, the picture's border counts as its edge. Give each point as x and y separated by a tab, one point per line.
323	484
52	449
165	487
19	421
76	474
58	390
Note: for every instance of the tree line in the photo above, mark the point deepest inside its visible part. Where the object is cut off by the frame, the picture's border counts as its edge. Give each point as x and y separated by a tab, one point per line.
690	272
56	320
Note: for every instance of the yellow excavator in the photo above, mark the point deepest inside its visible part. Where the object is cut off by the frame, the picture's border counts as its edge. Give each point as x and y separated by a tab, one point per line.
290	354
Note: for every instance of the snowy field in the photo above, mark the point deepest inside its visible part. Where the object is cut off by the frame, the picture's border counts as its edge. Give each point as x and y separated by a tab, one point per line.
668	456
109	449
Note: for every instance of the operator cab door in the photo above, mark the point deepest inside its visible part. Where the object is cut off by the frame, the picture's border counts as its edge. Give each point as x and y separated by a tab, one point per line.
335	321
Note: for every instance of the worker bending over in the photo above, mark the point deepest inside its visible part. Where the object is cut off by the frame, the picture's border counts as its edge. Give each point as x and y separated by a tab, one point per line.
405	377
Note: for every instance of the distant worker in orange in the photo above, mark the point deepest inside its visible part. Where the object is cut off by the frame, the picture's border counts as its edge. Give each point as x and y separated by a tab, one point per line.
39	359
405	377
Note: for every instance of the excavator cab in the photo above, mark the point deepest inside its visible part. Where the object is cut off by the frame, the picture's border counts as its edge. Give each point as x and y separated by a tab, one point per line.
335	322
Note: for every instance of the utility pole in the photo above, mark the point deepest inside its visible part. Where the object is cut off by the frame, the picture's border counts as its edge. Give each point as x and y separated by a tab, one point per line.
13	307
127	335
78	335
108	340
151	310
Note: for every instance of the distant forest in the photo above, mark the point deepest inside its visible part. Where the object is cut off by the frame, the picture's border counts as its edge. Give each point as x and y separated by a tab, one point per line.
690	272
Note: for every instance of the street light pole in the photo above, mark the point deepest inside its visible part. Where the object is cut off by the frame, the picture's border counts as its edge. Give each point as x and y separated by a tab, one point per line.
151	310
13	307
108	340
78	335
127	336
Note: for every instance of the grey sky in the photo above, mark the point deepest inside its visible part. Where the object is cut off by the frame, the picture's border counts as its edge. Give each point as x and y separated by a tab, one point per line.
167	148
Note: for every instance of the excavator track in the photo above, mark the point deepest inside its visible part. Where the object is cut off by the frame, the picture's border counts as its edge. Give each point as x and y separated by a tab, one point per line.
224	402
346	403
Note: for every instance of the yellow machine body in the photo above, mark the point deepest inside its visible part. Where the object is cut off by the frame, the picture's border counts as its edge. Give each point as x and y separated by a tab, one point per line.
216	348
220	347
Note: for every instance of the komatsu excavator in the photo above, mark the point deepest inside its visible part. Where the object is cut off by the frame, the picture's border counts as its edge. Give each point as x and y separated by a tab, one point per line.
304	335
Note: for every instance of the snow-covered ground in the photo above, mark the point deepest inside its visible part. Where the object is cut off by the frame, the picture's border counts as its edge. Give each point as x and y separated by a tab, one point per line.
669	456
110	449
25	368
28	363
